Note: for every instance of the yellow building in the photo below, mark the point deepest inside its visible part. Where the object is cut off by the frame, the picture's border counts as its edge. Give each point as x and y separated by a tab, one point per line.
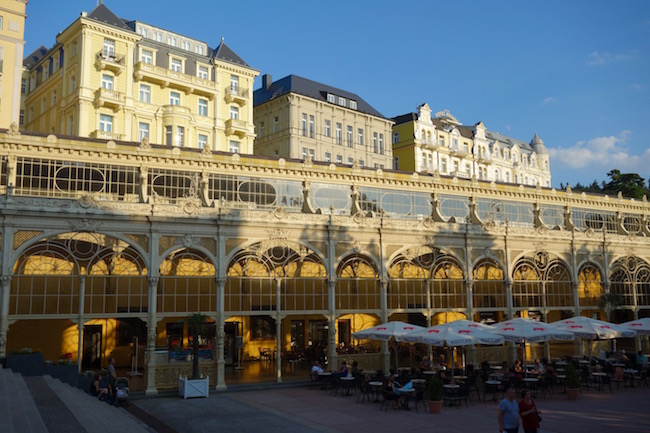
113	79
12	31
440	143
299	118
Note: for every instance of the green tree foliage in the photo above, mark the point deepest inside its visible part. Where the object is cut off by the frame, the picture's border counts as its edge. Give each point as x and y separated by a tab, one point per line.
631	185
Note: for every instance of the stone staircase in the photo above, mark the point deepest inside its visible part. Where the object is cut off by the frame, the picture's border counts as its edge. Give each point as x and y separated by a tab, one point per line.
43	404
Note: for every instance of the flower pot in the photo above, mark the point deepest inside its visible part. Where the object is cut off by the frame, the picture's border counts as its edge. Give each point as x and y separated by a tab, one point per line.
572	393
434	406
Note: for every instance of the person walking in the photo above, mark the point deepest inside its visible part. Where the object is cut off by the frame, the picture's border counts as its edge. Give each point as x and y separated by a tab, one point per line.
528	412
508	414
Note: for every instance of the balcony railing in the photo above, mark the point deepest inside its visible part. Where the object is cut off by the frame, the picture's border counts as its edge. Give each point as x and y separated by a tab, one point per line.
460	174
240	96
153	73
110	62
175	110
236	127
106	135
459	151
109	98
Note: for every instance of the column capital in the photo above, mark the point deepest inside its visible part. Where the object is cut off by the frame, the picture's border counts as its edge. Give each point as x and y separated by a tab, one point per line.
5	280
153	280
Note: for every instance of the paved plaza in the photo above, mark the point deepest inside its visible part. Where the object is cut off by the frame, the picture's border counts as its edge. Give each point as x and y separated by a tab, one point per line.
299	409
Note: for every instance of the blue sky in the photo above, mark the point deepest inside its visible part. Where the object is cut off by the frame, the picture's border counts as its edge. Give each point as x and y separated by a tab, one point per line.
575	72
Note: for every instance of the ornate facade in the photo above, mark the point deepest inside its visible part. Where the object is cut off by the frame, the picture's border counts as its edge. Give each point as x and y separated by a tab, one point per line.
101	241
127	80
12	41
427	144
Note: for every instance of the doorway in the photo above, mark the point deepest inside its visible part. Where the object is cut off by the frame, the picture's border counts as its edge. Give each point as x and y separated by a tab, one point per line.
92	347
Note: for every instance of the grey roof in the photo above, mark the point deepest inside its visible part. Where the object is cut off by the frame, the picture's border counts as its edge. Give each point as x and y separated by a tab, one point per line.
34	57
223	52
312	89
508	141
404	118
538	145
104	15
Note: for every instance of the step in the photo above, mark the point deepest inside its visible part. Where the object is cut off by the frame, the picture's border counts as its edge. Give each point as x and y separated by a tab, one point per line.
18	412
94	415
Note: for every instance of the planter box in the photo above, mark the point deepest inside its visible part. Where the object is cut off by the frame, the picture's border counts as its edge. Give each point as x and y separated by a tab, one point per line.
28	364
188	388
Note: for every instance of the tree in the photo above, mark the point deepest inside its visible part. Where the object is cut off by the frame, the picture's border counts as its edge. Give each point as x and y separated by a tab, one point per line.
609	302
196	326
629	184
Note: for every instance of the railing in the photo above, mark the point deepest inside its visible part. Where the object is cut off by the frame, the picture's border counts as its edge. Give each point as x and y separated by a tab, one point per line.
110	61
236	126
164	74
106	135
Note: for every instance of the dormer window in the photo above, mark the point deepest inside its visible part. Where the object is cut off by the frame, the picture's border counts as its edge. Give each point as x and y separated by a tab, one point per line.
331	98
353	104
341	101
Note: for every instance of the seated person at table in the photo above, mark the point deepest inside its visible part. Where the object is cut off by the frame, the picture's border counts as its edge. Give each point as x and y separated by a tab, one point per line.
316	369
440	365
641	360
341	372
538	369
425	365
355	369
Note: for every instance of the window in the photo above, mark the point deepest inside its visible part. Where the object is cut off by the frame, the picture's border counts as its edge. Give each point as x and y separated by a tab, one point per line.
304	125
507	176
456	166
74	48
276	124
105	123
441	141
339	133
341	101
199	49
339	159
23	85
233	146
157	36
443	165
53	97
176	65
145	93
186	45
381	144
174	98
171	40
180	136
144	32
260	130
143	130
146	56
360	136
348	133
467	169
395	137
43	105
361	163
306	151
353	104
350	160
109	48
168	136
331	98
234	112
70	125
21	119
73	83
202	141
328	157
234	84
107	82
203	72
327	128
375	145
203	107
311	126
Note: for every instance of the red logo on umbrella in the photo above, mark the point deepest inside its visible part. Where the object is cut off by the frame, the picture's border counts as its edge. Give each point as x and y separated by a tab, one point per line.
434	331
635	324
508	329
465	331
570	321
409	328
539	329
473	326
381	328
605	327
575	326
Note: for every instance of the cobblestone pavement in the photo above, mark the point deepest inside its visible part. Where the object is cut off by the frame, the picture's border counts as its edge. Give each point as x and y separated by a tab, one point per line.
311	410
55	414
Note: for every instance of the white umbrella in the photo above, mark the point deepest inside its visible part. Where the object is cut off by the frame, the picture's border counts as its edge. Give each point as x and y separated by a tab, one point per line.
525	330
593	329
641	326
386	332
456	333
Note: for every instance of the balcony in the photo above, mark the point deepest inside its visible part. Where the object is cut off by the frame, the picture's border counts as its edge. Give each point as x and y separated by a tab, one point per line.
105	135
109	98
460	174
236	127
113	63
459	151
175	111
484	159
178	80
427	144
238	96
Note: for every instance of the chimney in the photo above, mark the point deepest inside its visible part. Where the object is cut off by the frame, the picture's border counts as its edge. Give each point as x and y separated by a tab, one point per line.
266	81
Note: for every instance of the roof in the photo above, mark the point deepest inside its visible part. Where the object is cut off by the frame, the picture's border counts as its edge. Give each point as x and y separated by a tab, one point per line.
404	118
34	57
490	135
104	15
223	52
312	89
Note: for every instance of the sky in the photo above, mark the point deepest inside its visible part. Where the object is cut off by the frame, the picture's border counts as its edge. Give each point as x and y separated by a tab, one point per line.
575	72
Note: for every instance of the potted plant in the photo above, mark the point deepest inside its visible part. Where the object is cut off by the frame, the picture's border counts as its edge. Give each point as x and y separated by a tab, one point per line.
196	386
571	382
433	393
